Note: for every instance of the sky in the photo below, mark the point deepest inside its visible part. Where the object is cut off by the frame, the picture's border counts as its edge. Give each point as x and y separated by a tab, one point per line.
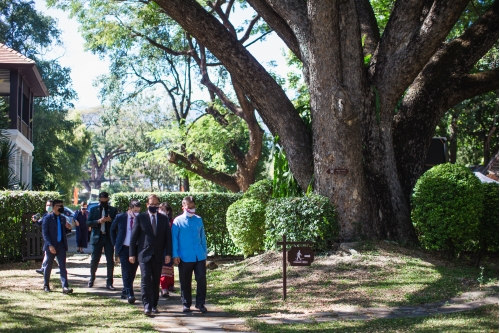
85	66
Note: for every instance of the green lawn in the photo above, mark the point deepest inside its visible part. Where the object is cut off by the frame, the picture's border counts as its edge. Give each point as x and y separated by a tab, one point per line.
381	276
24	307
483	320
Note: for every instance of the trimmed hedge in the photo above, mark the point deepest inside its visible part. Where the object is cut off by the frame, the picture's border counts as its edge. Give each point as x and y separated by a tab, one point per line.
13	204
261	190
246	217
212	207
447	206
488	227
246	225
309	218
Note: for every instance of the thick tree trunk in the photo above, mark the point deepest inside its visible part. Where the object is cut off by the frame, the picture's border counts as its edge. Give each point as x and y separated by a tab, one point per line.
335	111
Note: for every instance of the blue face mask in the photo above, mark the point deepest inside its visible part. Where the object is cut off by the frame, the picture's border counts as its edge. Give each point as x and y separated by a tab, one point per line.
49	209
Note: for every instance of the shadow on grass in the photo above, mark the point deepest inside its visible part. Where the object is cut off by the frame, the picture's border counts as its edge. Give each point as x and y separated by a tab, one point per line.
361	284
17	318
481	320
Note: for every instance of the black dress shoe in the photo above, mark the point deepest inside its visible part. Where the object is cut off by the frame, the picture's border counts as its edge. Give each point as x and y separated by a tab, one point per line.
186	309
155	310
110	287
46	289
165	295
202	308
123	296
90	284
131	299
67	290
40	271
147	312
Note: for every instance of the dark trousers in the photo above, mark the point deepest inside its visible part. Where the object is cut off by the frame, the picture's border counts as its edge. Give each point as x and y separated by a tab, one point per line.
61	257
128	271
81	236
150	283
186	270
104	242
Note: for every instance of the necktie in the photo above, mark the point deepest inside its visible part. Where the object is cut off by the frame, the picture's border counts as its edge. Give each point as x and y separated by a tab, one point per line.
153	224
103	225
59	232
131	222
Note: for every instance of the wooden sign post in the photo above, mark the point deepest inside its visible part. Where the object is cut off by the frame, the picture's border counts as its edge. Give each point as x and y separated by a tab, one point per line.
297	256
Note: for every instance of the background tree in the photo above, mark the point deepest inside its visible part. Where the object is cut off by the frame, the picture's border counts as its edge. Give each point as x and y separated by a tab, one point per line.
150	50
472	125
60	145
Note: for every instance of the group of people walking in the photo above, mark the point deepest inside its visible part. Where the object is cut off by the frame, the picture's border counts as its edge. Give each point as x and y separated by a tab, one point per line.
152	241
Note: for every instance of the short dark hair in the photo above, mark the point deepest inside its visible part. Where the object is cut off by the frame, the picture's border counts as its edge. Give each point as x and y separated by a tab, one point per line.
56	202
152	196
103	195
188	199
83	203
167	207
134	203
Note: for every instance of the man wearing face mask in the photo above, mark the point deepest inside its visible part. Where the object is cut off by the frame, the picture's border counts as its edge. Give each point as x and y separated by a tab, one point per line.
100	218
38	222
190	253
151	246
121	232
55	245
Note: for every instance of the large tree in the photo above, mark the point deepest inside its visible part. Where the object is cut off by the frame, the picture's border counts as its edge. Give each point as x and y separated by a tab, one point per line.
361	154
151	53
376	98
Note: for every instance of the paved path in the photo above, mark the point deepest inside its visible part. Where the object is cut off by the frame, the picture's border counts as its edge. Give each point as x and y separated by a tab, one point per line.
172	319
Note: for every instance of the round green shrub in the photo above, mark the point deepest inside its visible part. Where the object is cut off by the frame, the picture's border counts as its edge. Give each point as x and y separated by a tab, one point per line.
447	207
246	224
488	227
309	218
261	190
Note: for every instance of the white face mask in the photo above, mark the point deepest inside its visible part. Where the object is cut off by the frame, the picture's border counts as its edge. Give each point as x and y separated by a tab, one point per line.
49	209
190	212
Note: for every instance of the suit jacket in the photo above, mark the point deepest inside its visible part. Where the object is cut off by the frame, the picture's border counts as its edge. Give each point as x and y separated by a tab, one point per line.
49	231
119	231
94	216
146	243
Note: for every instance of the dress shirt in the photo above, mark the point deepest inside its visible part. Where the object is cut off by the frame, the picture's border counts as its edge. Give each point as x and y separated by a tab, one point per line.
151	218
126	241
188	238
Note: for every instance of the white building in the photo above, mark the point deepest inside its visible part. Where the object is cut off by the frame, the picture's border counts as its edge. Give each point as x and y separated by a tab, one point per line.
20	81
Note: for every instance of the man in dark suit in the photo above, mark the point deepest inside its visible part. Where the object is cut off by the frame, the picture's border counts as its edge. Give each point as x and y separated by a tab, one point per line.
151	246
100	218
121	232
55	245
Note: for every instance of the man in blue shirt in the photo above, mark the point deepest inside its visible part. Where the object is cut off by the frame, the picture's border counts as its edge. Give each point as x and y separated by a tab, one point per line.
190	253
55	245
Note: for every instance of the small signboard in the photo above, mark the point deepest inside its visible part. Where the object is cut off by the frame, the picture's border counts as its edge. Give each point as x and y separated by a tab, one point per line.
300	256
337	171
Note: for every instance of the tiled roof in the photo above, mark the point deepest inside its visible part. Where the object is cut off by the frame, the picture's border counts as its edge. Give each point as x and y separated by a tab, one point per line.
10	56
13	60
